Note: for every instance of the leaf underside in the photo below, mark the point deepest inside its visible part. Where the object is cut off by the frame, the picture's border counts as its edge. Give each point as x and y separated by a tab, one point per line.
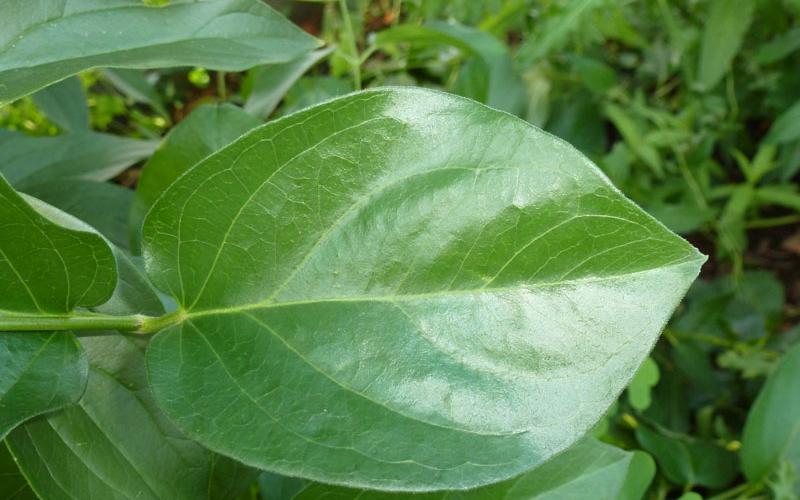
230	35
403	290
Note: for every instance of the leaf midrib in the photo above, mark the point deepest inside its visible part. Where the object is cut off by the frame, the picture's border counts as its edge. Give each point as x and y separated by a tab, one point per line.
270	303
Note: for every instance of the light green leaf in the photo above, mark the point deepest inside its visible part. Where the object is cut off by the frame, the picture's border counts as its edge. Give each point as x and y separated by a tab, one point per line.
206	130
230	35
641	385
457	295
589	470
65	104
116	444
772	430
779	47
133	83
786	127
28	160
555	31
44	269
268	84
727	23
493	69
102	205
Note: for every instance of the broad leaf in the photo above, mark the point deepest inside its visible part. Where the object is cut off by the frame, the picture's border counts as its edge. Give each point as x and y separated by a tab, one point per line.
79	155
65	104
116	444
102	205
206	130
402	289
786	127
772	430
227	35
266	85
44	269
589	470
728	22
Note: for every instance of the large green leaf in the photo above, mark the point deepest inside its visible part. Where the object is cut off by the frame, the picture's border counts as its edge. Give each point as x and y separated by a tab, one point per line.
28	160
116	443
402	289
589	470
44	269
81	34
207	129
13	485
772	430
728	22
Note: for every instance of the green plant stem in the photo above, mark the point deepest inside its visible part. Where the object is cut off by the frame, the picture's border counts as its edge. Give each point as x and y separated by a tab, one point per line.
352	56
136	323
221	86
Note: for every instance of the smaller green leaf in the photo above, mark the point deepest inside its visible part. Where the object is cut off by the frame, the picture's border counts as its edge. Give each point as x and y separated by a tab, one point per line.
631	132
65	104
206	130
772	431
267	85
689	462
27	160
786	127
779	47
102	205
39	372
557	29
133	83
641	385
727	23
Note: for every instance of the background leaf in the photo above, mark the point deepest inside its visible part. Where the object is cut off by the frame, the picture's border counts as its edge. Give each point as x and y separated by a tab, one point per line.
65	104
229	35
728	22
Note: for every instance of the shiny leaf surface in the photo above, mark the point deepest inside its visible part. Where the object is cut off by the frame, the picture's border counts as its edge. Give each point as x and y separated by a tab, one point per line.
229	35
402	289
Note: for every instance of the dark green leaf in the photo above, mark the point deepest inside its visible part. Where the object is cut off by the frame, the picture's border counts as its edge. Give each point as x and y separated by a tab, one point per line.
13	485
229	35
44	269
456	295
206	130
728	21
65	104
102	205
772	431
116	444
689	462
28	160
779	47
268	84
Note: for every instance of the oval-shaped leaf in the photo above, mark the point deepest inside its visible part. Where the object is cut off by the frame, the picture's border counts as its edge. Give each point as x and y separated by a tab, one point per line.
230	35
44	269
772	430
402	289
728	22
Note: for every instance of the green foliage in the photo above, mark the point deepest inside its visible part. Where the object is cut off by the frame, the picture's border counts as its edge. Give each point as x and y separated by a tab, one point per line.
398	289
